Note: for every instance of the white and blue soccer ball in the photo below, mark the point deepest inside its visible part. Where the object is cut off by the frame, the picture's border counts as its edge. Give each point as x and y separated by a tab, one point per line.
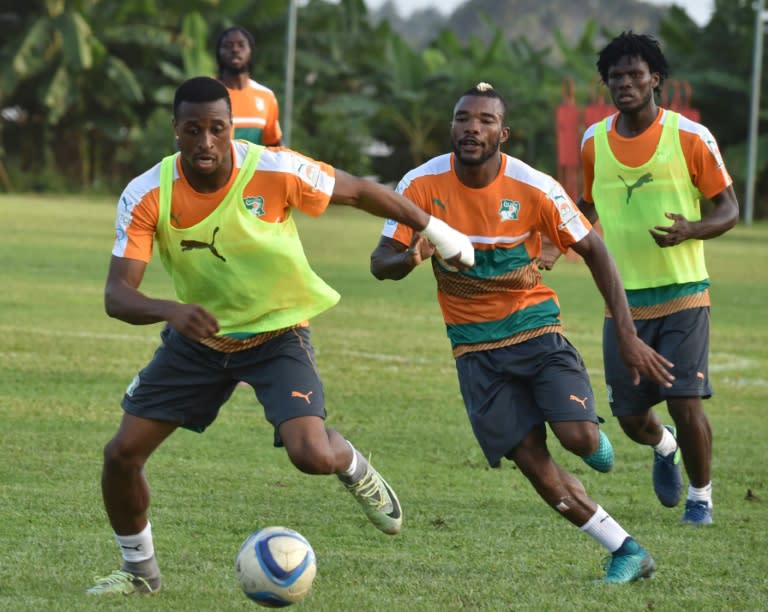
276	567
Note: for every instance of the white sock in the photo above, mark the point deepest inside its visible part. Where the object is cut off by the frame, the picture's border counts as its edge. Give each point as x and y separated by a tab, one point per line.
350	471
605	530
137	547
667	445
702	494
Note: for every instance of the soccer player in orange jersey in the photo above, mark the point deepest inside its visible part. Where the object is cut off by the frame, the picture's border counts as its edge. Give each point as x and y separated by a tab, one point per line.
255	110
220	214
646	169
517	372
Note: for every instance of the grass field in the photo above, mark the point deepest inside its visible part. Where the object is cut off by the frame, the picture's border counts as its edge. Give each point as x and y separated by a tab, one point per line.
474	538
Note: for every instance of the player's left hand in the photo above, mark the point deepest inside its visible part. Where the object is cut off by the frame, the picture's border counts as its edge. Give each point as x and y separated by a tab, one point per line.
420	249
642	360
549	254
680	230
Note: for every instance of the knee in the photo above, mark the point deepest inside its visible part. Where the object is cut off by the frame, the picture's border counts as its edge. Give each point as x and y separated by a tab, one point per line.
582	439
313	459
686	412
634	426
119	456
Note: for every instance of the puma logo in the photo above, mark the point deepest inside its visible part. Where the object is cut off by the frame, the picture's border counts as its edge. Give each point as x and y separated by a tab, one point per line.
136	548
583	402
646	178
187	245
304	396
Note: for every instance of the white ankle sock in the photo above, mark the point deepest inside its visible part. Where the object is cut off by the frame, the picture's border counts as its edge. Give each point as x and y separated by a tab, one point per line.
138	547
605	530
702	494
667	445
350	471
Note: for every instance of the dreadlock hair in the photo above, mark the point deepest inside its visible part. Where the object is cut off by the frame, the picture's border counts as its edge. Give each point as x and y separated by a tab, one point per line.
629	44
486	90
248	37
200	89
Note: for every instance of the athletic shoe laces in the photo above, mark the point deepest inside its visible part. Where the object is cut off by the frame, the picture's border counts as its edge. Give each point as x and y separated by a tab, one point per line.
370	489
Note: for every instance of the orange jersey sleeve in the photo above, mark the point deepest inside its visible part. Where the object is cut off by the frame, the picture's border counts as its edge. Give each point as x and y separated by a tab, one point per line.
702	156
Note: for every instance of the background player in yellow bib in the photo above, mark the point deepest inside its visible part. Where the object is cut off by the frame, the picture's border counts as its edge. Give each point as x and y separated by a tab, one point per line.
517	372
220	213
645	170
255	111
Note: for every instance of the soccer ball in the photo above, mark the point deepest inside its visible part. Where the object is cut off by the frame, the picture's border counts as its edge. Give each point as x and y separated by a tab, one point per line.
276	567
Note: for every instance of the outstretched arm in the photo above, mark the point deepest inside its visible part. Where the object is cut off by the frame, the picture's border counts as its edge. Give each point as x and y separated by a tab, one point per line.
124	301
640	358
720	219
453	246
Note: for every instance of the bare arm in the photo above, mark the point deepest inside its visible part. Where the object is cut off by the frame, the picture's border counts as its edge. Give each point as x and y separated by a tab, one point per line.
720	219
393	260
640	358
588	210
549	252
453	246
124	301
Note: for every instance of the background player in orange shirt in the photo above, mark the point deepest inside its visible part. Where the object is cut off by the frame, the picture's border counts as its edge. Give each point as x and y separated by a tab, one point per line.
220	214
255	110
516	370
665	163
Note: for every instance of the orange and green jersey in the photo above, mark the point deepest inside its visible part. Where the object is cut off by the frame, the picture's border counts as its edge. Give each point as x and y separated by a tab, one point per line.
255	114
282	180
501	300
705	174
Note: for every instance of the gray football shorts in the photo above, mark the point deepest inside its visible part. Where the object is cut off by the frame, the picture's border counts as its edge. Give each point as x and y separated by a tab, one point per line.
508	391
683	338
187	383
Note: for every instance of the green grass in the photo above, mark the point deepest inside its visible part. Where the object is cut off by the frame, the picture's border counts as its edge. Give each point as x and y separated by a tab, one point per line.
474	538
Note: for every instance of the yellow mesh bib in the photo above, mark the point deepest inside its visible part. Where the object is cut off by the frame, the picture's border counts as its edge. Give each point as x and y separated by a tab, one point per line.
632	200
252	275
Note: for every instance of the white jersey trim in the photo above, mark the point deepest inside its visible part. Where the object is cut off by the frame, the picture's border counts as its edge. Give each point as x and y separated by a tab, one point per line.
290	162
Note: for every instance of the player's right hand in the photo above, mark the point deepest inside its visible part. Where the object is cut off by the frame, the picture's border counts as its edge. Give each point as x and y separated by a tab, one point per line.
193	321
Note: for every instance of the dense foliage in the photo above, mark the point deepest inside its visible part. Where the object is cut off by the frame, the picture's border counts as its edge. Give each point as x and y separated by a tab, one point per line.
85	85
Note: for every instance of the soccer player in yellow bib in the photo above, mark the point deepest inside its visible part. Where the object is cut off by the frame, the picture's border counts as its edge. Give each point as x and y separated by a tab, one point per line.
646	169
220	213
517	371
255	111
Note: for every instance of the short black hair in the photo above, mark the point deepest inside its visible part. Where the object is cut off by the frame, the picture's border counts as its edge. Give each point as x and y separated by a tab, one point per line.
248	37
629	44
200	89
486	90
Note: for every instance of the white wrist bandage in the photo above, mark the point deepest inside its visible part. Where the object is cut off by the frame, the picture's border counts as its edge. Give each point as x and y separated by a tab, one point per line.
449	242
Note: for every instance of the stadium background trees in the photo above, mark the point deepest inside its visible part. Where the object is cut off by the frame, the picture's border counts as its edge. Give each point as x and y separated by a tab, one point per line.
86	85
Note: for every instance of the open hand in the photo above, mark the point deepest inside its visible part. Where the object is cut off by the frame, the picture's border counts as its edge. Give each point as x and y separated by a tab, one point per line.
642	360
679	231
